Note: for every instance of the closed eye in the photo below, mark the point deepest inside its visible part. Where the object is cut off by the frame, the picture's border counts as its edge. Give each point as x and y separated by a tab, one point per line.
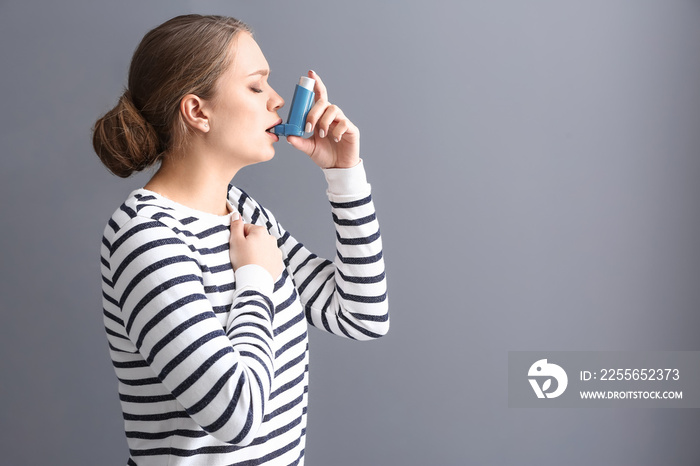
256	90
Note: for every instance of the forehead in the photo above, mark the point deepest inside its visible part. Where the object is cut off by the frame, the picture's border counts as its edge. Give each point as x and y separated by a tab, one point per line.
247	56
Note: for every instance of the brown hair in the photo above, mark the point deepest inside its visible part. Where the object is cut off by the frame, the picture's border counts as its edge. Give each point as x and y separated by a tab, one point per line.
184	55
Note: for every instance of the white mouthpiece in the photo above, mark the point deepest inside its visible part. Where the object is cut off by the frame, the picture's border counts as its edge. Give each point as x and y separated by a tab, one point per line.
307	83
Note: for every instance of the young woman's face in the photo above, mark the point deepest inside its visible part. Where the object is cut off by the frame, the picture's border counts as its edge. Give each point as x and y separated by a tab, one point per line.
245	106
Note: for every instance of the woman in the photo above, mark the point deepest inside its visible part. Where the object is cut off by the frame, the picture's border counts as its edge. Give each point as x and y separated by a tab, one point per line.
206	297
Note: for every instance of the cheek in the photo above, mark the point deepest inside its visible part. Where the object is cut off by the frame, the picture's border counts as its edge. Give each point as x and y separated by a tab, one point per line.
231	105
242	117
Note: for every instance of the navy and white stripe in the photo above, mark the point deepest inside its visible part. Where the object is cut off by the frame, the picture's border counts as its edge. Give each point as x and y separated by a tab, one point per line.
213	366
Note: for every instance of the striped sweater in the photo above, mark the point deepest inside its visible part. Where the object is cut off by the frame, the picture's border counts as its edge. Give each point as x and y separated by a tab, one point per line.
212	365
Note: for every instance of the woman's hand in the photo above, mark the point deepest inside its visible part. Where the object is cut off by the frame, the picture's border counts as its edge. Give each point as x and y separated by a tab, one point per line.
336	141
252	244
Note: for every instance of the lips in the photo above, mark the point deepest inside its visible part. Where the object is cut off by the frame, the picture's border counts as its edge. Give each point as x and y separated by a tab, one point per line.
278	122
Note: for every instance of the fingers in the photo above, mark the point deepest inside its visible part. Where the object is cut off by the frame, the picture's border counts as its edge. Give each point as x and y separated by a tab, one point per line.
314	114
248	228
253	244
325	118
319	87
341	128
336	139
330	115
242	229
332	121
320	104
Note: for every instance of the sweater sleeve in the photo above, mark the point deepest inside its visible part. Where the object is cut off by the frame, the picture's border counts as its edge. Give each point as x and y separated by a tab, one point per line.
221	376
346	296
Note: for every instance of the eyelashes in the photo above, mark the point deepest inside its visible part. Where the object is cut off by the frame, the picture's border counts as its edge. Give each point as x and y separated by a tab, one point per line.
256	90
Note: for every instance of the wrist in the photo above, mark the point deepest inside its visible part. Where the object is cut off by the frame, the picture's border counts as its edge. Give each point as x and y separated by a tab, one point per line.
347	164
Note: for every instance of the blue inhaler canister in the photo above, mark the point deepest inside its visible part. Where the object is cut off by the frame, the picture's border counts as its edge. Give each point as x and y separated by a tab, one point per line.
302	101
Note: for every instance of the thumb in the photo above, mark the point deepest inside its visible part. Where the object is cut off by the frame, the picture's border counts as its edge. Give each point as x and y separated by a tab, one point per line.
236	225
307	146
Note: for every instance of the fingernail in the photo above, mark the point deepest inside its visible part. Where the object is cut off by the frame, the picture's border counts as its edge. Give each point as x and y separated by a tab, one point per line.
288	142
308	127
336	139
313	71
321	133
235	216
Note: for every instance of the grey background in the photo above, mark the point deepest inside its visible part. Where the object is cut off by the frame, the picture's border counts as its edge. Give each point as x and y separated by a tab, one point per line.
535	166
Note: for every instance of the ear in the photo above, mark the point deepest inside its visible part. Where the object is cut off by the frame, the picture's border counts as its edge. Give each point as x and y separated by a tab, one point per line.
195	113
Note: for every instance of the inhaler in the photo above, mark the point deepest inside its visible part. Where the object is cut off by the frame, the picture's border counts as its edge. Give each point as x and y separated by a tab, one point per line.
302	102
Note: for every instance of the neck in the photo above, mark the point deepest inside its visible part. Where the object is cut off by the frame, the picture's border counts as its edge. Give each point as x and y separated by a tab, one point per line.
188	180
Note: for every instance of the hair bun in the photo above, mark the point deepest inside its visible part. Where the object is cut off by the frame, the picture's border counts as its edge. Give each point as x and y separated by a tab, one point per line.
123	140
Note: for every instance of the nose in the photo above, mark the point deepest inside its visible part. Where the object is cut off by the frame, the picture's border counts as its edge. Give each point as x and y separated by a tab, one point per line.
275	102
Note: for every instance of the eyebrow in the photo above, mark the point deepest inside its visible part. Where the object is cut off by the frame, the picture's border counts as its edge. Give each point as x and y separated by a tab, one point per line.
263	72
